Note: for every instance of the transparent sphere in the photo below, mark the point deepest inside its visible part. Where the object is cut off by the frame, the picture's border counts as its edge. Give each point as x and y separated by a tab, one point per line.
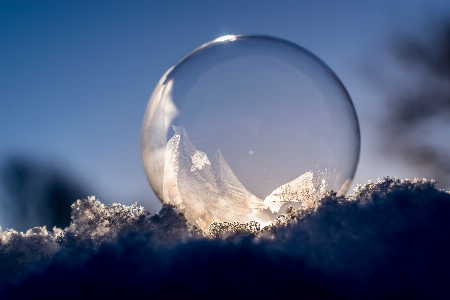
246	125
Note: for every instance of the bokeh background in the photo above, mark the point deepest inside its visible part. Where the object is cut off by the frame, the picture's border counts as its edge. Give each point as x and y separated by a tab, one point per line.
76	76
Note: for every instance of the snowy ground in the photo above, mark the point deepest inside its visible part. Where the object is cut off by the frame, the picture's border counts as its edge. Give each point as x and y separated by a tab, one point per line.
388	239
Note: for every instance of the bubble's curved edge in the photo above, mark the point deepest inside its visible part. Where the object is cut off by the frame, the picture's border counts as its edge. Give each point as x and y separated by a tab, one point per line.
235	37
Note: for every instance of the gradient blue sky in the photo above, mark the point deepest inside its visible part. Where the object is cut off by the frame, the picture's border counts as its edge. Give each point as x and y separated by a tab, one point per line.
76	76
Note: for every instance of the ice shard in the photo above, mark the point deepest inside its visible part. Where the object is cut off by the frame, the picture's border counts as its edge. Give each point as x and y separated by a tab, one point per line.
300	190
209	191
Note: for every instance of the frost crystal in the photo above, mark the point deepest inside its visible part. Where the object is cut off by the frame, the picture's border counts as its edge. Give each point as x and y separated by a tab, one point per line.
205	190
199	159
300	189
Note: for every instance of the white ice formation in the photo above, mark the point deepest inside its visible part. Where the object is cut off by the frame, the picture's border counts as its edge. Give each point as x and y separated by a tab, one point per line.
209	190
300	189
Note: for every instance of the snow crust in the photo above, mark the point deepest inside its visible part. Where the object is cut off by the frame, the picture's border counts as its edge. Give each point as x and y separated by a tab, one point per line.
387	238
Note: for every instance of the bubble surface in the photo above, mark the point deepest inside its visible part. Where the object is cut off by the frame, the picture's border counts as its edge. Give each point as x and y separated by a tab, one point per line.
246	125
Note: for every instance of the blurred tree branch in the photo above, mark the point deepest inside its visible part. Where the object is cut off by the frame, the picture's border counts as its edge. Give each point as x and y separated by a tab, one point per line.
39	194
418	124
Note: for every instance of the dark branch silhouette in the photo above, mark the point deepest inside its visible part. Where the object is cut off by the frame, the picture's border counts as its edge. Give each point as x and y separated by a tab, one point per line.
418	125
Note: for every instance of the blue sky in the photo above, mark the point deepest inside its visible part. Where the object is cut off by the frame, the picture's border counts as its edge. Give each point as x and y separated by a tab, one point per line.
76	76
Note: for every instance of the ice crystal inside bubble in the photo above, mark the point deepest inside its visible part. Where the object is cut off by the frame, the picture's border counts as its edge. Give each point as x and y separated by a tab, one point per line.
246	125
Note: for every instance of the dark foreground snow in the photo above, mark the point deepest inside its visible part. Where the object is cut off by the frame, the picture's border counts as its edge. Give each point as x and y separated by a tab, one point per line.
389	239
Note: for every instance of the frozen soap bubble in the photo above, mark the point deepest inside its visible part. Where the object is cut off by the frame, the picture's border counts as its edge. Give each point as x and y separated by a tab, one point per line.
246	125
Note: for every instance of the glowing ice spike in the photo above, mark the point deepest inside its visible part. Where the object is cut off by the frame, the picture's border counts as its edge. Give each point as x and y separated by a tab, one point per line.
209	190
170	181
205	190
240	199
300	190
